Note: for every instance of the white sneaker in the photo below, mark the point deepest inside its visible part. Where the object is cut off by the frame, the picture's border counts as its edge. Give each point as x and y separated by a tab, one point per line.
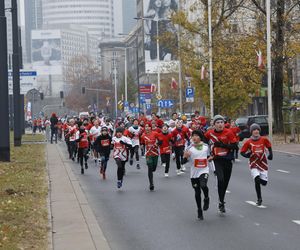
166	175
173	156
182	168
237	160
179	172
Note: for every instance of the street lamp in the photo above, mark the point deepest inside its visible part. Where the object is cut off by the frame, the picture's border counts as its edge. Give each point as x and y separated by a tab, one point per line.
157	53
211	83
269	65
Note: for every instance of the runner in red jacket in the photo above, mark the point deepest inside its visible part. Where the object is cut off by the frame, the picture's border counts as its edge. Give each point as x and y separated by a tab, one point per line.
83	147
223	142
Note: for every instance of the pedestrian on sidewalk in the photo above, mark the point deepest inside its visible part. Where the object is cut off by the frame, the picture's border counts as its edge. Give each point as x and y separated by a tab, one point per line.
54	121
83	147
151	141
222	142
102	145
255	149
121	145
199	154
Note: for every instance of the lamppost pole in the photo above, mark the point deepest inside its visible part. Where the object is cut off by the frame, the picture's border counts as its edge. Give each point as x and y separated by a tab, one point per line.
138	73
16	75
211	82
4	124
269	69
158	63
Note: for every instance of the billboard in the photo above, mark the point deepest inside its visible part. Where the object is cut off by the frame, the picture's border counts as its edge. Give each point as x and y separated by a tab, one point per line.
46	52
157	23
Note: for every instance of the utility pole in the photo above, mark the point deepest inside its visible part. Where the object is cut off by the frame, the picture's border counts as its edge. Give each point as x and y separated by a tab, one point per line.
179	65
269	69
138	74
4	124
211	81
16	75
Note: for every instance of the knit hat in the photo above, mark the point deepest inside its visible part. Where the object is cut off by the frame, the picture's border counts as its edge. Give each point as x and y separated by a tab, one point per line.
254	126
218	118
119	130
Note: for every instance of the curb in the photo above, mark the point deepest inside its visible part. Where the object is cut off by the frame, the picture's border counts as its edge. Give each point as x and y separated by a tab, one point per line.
286	152
50	221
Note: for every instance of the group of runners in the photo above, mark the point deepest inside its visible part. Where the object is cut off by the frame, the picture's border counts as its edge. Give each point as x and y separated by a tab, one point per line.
204	147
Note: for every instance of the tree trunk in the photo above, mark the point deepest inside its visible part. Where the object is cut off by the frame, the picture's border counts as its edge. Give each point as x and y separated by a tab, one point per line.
278	67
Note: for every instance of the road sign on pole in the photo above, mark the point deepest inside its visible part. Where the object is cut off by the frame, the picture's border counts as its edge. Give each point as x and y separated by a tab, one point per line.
165	103
189	94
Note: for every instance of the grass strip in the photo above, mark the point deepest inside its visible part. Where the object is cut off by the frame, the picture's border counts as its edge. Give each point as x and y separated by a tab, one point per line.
23	199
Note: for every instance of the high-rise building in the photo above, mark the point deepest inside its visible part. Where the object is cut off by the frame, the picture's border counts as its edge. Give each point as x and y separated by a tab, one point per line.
33	20
9	31
97	16
129	13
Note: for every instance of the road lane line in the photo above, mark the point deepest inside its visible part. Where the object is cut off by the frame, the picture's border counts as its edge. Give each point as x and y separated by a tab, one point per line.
254	204
297	221
283	171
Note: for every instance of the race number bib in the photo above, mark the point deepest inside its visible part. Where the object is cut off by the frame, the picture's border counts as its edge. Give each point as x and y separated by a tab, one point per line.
200	163
220	151
105	143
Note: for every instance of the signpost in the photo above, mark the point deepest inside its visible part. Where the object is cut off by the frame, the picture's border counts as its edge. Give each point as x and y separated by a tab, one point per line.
165	103
189	94
27	81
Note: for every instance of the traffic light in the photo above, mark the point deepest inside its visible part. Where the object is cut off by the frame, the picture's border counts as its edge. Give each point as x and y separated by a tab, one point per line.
83	90
42	96
61	94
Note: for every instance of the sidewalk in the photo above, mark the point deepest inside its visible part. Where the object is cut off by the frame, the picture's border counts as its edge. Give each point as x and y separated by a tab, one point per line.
290	148
74	225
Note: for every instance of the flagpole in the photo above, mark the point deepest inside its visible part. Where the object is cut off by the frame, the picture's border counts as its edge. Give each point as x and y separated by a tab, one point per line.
269	66
211	86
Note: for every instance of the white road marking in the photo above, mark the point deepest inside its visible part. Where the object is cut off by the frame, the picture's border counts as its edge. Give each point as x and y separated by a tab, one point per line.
256	224
274	233
254	204
283	171
297	221
241	216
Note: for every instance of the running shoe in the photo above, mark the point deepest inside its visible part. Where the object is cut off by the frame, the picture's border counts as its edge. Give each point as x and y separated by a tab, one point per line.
151	187
179	172
130	162
206	203
104	176
200	214
86	165
82	170
119	184
259	202
138	166
166	175
222	207
183	168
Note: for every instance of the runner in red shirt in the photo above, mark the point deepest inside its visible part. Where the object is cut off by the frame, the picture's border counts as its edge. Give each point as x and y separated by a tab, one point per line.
165	148
83	146
150	139
180	135
236	131
255	149
222	143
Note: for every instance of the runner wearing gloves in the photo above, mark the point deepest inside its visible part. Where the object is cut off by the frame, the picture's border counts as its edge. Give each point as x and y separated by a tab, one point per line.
255	149
222	143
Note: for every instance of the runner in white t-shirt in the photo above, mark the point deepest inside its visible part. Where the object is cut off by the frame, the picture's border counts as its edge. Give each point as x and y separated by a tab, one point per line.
199	154
94	132
135	133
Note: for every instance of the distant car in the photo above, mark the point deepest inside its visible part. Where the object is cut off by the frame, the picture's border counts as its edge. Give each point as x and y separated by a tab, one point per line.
244	124
83	115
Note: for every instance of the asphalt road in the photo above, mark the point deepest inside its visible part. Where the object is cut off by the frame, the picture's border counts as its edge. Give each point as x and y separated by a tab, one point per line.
135	218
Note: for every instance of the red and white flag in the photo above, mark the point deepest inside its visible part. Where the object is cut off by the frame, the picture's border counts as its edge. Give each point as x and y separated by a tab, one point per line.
260	60
174	83
203	72
153	88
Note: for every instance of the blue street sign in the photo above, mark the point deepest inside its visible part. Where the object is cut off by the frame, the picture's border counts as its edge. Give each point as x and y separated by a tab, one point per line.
126	104
165	103
148	106
189	92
